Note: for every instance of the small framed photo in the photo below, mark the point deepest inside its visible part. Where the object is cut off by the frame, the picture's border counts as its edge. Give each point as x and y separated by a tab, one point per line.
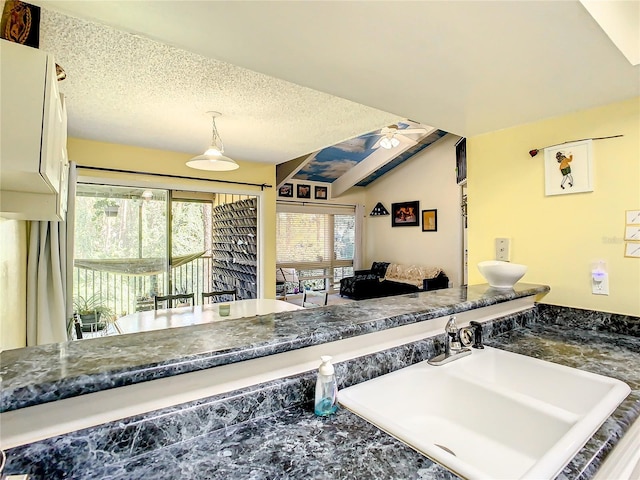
632	249
568	168
430	220
320	193
632	232
304	191
633	217
405	214
286	190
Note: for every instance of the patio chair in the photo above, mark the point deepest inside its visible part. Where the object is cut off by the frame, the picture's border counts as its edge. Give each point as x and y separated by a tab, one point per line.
285	277
308	302
220	296
171	299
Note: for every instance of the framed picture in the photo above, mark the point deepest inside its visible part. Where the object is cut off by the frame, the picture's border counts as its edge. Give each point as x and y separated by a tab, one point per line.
405	214
430	220
20	23
320	193
568	168
632	249
286	190
632	232
633	217
304	191
461	161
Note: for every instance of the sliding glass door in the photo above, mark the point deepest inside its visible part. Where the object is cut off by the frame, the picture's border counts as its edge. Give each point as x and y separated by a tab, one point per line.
123	236
120	248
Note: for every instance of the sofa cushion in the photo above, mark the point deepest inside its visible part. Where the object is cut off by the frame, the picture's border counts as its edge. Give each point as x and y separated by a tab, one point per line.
410	274
379	269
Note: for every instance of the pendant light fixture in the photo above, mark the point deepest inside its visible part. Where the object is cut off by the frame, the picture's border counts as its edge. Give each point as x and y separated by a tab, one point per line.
213	158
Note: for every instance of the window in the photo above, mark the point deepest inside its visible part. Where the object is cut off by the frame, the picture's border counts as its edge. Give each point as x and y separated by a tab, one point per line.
318	242
133	243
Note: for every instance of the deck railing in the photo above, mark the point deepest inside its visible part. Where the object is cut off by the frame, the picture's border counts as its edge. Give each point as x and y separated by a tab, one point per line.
124	294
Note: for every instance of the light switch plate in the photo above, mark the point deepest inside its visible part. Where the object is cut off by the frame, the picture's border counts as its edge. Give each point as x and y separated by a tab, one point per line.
503	249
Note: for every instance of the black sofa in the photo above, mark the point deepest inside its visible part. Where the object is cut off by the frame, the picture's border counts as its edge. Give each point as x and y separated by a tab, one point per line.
368	283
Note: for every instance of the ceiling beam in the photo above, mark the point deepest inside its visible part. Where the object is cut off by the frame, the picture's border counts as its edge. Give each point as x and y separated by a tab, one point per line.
370	164
285	171
373	162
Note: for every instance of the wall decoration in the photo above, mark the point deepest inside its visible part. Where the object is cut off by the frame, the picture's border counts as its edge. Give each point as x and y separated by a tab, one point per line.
633	217
286	190
632	232
461	161
568	168
632	249
304	191
430	220
405	214
21	23
535	151
320	193
379	210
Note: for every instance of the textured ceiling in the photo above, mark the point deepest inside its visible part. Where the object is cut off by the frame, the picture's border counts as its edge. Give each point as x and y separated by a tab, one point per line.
123	88
466	67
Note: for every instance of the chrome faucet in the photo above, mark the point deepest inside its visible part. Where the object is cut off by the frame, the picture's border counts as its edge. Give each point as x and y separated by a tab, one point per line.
453	348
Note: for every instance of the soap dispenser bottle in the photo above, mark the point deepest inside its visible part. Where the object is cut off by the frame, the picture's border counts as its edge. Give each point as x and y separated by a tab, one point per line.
326	401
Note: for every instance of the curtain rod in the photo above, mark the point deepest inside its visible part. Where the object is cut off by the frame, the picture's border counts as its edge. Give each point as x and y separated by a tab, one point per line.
167	175
323	204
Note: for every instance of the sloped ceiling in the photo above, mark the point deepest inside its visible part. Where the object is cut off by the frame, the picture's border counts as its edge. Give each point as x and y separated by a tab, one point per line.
361	160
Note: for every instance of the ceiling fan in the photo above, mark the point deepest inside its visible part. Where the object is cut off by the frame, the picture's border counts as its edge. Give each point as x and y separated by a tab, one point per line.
389	135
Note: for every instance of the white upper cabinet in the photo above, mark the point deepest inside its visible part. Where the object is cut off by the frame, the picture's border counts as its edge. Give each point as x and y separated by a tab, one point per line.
33	138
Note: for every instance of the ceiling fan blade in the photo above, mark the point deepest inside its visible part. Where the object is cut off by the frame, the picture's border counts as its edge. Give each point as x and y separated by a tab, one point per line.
408	131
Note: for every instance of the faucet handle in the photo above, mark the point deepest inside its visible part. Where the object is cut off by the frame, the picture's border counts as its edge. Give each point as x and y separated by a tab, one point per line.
451	326
477	327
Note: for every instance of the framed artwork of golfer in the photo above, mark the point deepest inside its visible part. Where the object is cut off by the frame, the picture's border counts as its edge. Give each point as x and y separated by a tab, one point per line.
568	168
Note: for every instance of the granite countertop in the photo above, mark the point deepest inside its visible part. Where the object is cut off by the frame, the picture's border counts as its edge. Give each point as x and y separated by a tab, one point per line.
294	444
36	375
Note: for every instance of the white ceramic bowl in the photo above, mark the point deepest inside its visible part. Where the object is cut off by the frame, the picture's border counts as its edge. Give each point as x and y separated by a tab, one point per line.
501	274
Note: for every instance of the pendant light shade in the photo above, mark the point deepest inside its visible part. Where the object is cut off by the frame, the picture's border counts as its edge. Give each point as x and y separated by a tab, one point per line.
213	159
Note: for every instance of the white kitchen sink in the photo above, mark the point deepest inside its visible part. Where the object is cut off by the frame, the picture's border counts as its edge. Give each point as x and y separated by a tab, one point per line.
493	414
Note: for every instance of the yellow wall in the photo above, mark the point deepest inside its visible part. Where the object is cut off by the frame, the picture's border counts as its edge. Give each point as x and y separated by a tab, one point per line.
13	284
560	237
124	157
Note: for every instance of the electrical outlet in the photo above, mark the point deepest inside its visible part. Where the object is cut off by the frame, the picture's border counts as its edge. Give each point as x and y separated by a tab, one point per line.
503	249
599	281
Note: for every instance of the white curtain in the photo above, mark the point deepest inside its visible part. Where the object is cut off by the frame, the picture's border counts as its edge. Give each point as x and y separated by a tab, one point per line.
47	279
358	255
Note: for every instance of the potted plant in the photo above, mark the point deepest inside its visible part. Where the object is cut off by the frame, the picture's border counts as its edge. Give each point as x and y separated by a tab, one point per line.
92	311
108	206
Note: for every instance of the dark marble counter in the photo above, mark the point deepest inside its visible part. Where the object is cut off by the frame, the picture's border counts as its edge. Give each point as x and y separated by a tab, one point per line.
46	373
268	431
294	444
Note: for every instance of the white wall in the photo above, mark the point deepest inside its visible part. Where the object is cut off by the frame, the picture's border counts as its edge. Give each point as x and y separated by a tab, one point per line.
13	284
430	178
